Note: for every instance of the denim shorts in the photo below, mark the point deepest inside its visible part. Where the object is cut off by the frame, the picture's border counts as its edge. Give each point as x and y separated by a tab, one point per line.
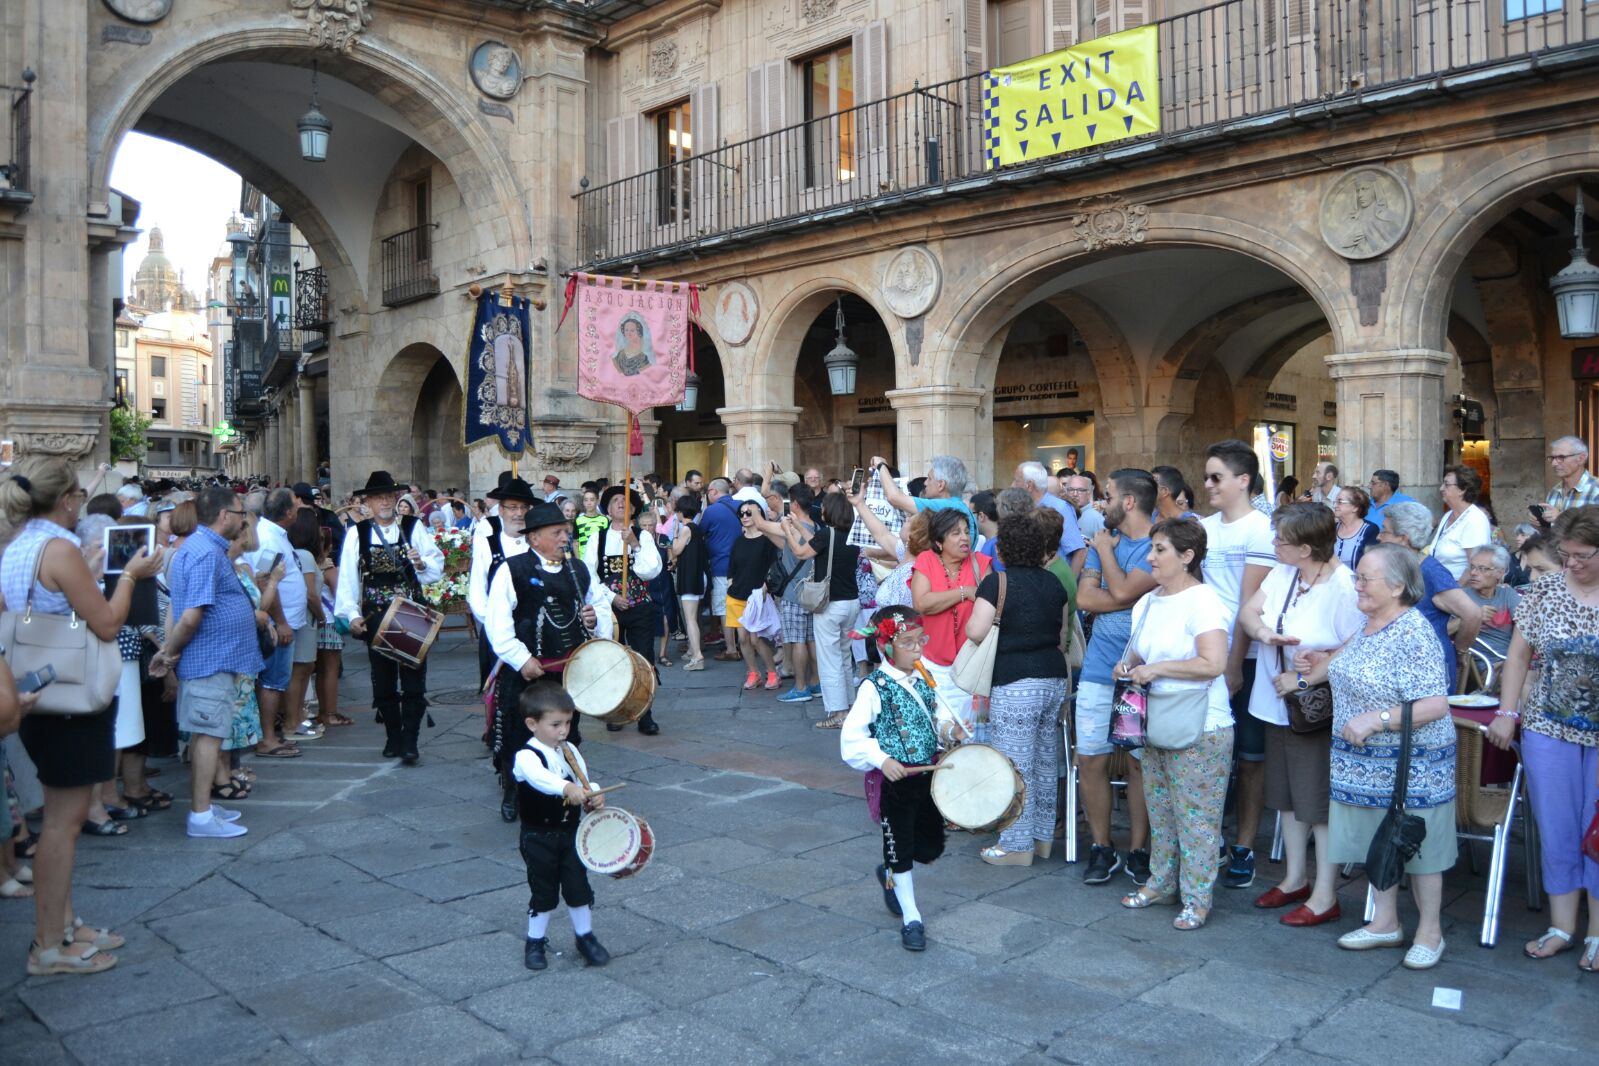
205	704
274	675
1249	735
1091	715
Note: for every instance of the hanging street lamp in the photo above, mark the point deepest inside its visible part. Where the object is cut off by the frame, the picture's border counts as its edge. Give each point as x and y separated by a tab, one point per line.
842	360
314	129
1576	290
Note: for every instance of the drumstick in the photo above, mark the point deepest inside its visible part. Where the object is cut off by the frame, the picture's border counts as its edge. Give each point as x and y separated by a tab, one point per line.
928	769
608	788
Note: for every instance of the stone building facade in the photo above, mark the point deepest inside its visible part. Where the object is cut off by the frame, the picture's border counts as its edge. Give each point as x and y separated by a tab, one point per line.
800	158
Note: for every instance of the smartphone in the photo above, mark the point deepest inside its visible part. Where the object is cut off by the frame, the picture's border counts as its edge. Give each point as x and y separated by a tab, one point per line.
35	680
277	557
1537	510
122	543
856	481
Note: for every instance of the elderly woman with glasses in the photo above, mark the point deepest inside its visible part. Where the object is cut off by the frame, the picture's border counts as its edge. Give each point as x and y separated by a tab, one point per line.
1407	525
1465	525
1389	663
1559	620
1354	533
1485	584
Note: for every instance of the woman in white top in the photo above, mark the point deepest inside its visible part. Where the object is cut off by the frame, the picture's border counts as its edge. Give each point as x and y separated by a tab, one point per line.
1307	603
1179	642
1465	525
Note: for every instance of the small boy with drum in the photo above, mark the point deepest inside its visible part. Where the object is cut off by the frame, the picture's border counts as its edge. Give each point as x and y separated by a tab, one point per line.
552	791
893	733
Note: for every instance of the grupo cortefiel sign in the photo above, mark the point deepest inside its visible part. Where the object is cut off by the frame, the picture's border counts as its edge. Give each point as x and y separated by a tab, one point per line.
1100	91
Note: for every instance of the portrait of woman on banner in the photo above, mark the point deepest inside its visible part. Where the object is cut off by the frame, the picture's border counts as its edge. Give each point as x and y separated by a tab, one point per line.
634	353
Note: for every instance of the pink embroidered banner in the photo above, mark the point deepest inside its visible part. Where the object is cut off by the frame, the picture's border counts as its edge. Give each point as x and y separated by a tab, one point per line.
633	344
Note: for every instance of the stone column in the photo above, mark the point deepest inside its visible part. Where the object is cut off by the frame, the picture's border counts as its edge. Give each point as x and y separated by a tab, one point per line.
272	453
308	436
288	415
1391	415
759	434
944	420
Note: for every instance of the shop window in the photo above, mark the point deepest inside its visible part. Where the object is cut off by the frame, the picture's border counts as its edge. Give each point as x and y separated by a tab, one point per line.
1060	442
1277	440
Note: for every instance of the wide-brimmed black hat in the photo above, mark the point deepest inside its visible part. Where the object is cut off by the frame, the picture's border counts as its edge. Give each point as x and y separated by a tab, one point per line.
635	501
380	481
514	490
541	515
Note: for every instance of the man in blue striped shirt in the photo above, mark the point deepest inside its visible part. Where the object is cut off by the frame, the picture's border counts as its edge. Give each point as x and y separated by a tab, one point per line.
214	648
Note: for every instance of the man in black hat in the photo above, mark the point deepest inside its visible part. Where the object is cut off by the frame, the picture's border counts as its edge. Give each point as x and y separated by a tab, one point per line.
312	498
541	605
630	600
495	539
388	556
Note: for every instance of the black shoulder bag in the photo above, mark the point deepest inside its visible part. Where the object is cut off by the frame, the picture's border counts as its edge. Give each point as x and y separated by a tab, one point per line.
1399	837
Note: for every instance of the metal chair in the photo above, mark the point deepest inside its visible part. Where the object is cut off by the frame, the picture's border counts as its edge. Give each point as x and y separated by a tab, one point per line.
1487	813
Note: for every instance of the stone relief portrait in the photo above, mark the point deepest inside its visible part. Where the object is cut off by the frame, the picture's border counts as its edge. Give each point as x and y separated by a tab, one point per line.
496	70
142	11
910	282
735	312
1366	213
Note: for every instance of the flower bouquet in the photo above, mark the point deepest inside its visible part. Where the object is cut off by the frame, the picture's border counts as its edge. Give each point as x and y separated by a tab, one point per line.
448	594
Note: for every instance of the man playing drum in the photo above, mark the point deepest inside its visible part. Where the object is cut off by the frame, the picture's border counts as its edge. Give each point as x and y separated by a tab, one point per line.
541	605
389	557
495	539
630	599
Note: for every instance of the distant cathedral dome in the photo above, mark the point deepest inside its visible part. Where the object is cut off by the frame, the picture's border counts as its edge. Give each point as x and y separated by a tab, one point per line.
158	286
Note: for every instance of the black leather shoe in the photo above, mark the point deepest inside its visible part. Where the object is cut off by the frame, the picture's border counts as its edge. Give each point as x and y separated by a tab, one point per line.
890	900
609	728
592	950
647	726
508	810
913	936
533	953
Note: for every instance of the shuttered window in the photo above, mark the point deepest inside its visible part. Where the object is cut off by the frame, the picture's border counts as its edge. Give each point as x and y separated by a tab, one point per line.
674	144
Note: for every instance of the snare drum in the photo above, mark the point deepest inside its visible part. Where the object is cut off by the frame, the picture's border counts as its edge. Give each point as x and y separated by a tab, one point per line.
609	681
407	632
978	789
614	842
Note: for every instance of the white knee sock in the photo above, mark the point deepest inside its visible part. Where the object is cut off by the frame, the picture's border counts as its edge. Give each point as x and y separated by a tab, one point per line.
582	920
537	925
905	892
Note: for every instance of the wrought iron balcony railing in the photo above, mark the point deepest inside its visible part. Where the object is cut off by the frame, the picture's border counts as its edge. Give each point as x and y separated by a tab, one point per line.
1240	63
16	180
408	273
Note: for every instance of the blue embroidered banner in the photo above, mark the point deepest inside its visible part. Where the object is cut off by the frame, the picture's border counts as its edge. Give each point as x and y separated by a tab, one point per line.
497	374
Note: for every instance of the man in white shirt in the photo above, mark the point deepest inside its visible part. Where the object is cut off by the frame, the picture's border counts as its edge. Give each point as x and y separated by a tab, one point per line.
290	617
630	600
1325	482
495	539
389	557
131	496
1239	553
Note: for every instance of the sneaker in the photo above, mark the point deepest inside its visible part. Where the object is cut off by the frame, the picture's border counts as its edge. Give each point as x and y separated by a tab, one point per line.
772	681
1240	871
798	695
751	680
1102	862
815	691
221	812
215	828
1138	865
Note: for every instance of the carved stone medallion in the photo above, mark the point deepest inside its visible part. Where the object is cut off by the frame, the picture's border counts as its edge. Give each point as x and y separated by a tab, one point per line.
910	281
735	312
333	24
1366	213
1111	222
141	11
496	70
816	10
663	58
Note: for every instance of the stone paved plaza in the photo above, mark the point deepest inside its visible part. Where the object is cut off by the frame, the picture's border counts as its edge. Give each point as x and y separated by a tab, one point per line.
374	914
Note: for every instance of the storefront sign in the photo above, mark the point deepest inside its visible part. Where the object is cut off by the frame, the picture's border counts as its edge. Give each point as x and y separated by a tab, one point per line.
1101	91
1036	390
1280	445
1585	364
868	405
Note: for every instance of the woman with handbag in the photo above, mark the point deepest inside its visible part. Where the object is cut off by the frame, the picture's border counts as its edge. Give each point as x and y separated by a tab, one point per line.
70	737
833	564
1306	603
944	582
1389	667
1178	654
1558	619
1021	610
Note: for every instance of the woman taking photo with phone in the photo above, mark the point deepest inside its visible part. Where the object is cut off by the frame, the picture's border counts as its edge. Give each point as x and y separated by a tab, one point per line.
41	565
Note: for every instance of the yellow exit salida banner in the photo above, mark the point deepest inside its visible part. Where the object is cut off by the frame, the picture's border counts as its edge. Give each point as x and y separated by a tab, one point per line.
1100	91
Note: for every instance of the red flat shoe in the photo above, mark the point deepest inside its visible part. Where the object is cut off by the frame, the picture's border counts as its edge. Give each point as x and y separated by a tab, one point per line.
1302	916
1273	898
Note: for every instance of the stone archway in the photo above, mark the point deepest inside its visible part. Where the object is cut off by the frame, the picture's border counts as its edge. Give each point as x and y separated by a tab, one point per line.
438	458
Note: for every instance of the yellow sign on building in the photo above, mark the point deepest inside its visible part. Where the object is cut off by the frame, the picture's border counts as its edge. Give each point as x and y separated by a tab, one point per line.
1097	92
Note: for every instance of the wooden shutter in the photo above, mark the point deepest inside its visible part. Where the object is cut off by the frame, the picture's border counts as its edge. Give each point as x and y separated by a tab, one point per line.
626	205
770	157
1113	16
1060	24
705	128
1104	17
869	47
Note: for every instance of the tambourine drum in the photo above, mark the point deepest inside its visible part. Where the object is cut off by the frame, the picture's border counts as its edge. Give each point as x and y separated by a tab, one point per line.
407	632
614	842
978	789
609	681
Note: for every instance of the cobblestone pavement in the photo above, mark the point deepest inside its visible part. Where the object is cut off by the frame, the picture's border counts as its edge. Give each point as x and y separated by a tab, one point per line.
375	913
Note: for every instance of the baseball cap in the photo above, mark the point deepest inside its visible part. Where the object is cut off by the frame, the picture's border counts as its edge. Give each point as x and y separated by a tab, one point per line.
304	491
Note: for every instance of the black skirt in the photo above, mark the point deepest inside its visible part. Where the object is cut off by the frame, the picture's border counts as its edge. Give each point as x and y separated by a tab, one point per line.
70	751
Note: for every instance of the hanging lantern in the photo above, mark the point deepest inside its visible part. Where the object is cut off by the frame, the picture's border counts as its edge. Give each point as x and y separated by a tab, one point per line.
314	129
691	392
842	360
1576	290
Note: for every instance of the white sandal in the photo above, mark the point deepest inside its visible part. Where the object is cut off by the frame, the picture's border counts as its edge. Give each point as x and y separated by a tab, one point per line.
1589	962
56	960
104	939
12	888
1548	934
